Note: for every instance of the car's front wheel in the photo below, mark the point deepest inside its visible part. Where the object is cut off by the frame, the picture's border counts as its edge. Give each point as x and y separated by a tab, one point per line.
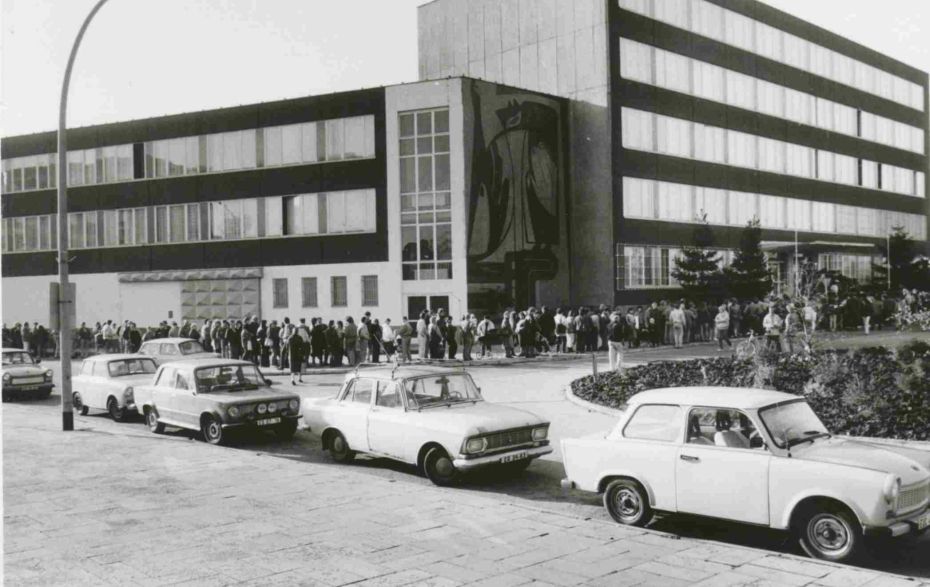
151	419
339	449
438	467
830	533
77	402
212	430
115	411
627	502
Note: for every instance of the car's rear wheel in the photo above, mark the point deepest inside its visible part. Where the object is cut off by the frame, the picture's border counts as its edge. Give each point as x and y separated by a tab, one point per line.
212	430
286	429
151	419
438	467
339	449
115	411
830	533
77	402
627	502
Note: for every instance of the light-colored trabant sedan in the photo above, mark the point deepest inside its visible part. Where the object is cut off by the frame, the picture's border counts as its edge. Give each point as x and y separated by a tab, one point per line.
174	349
23	377
432	418
753	456
215	395
107	382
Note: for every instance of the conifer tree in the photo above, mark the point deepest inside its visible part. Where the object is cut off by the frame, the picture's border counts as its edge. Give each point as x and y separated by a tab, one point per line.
697	267
748	277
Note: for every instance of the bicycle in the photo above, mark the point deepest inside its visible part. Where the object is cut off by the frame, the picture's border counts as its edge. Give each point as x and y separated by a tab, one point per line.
749	347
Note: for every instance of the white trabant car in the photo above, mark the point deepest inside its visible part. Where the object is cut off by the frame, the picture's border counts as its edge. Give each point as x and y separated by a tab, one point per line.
164	350
752	456
429	417
23	376
107	382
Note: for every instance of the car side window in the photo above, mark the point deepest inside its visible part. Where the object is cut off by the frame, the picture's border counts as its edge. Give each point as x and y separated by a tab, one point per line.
168	349
347	394
362	390
655	422
87	367
100	369
182	381
147	349
722	427
166	378
388	395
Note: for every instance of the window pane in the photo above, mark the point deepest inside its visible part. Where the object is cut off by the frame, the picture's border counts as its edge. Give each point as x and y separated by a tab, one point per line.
90	230
273	146
338	286
308	298
249	217
425	174
76	230
408	175
110	228
193	222
161	224
335	139
335	212
140	226
444	241
354	137
369	290
178	226
291	144
308	142
279	293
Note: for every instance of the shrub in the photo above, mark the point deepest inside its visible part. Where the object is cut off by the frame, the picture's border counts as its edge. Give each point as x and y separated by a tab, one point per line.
873	392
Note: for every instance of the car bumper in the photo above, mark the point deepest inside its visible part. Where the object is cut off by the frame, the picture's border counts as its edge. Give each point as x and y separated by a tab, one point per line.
36	388
914	524
464	464
258	422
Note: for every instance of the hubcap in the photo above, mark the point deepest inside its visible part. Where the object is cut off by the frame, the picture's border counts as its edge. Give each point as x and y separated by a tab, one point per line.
339	446
828	533
153	420
627	504
213	430
444	467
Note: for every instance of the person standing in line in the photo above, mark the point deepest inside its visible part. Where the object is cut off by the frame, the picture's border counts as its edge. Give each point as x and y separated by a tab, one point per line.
483	333
469	327
772	325
245	341
435	338
388	338
449	330
364	339
736	317
722	326
406	335
333	348
505	332
423	335
616	331
350	341
374	334
295	357
677	319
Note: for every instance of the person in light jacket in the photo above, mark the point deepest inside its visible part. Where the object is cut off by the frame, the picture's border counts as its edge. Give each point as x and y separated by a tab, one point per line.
722	325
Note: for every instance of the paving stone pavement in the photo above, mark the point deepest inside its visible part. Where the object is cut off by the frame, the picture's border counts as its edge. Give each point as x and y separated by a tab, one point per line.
113	504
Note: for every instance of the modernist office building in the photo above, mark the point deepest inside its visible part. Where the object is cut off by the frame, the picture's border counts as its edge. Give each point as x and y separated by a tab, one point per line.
572	174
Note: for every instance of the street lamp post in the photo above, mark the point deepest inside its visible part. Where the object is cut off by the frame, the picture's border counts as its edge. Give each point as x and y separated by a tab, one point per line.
65	301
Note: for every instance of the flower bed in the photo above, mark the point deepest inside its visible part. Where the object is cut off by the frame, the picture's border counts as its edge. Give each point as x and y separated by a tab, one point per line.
875	391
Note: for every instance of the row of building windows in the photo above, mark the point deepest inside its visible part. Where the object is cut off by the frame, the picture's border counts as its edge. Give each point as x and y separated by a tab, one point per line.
425	202
674	202
302	214
650	267
707	19
294	144
338	287
657	133
651	65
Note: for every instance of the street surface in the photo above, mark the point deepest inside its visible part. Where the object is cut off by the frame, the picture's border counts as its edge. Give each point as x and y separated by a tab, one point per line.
112	503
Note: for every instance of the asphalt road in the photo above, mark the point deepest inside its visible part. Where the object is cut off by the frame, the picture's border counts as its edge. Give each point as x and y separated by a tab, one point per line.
538	387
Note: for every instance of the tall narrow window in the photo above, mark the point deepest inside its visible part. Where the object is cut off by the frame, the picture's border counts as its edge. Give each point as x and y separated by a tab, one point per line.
308	293
369	290
339	292
279	292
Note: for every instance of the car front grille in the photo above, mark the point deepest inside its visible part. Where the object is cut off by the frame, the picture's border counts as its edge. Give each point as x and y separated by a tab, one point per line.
913	497
509	438
27	380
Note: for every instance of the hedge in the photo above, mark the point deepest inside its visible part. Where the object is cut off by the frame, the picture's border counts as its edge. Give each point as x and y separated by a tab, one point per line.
877	392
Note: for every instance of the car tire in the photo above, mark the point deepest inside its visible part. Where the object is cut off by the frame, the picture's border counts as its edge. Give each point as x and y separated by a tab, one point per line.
151	419
77	402
116	412
286	429
830	533
438	467
339	449
212	430
627	503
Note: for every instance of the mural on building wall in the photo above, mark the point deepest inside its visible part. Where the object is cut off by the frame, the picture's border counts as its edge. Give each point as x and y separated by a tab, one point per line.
516	199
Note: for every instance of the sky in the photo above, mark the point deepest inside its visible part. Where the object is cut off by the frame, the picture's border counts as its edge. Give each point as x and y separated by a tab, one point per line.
143	58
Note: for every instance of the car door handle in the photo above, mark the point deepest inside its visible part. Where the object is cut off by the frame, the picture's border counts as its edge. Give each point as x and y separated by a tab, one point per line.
689	458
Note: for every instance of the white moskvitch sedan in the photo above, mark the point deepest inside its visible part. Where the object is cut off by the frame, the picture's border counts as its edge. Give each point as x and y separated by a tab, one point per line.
752	456
106	382
166	350
428	417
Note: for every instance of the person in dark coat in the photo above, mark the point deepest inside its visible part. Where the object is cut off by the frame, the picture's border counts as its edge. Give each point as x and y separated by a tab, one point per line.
375	332
295	352
234	340
449	330
135	338
435	338
318	341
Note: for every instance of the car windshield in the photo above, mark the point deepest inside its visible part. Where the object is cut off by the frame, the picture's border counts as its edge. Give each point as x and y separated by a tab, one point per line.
433	390
792	423
17	358
228	378
189	347
131	367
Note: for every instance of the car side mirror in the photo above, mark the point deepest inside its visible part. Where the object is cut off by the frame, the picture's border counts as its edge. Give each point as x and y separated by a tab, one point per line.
269	382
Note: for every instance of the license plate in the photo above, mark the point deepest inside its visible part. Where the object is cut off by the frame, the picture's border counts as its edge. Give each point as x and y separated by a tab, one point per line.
30	388
268	421
923	521
513	457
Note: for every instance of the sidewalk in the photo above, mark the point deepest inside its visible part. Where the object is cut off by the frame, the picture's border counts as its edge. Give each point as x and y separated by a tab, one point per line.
113	504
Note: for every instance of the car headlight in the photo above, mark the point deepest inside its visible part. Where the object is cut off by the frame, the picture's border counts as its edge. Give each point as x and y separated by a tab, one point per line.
293	405
261	408
272	408
892	489
233	412
476	445
7	377
540	433
48	374
128	394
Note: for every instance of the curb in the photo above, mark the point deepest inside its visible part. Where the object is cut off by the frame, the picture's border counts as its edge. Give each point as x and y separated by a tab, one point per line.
589	406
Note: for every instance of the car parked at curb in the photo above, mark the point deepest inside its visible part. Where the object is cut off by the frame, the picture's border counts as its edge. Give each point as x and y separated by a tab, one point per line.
164	350
214	396
434	418
23	377
107	382
752	456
